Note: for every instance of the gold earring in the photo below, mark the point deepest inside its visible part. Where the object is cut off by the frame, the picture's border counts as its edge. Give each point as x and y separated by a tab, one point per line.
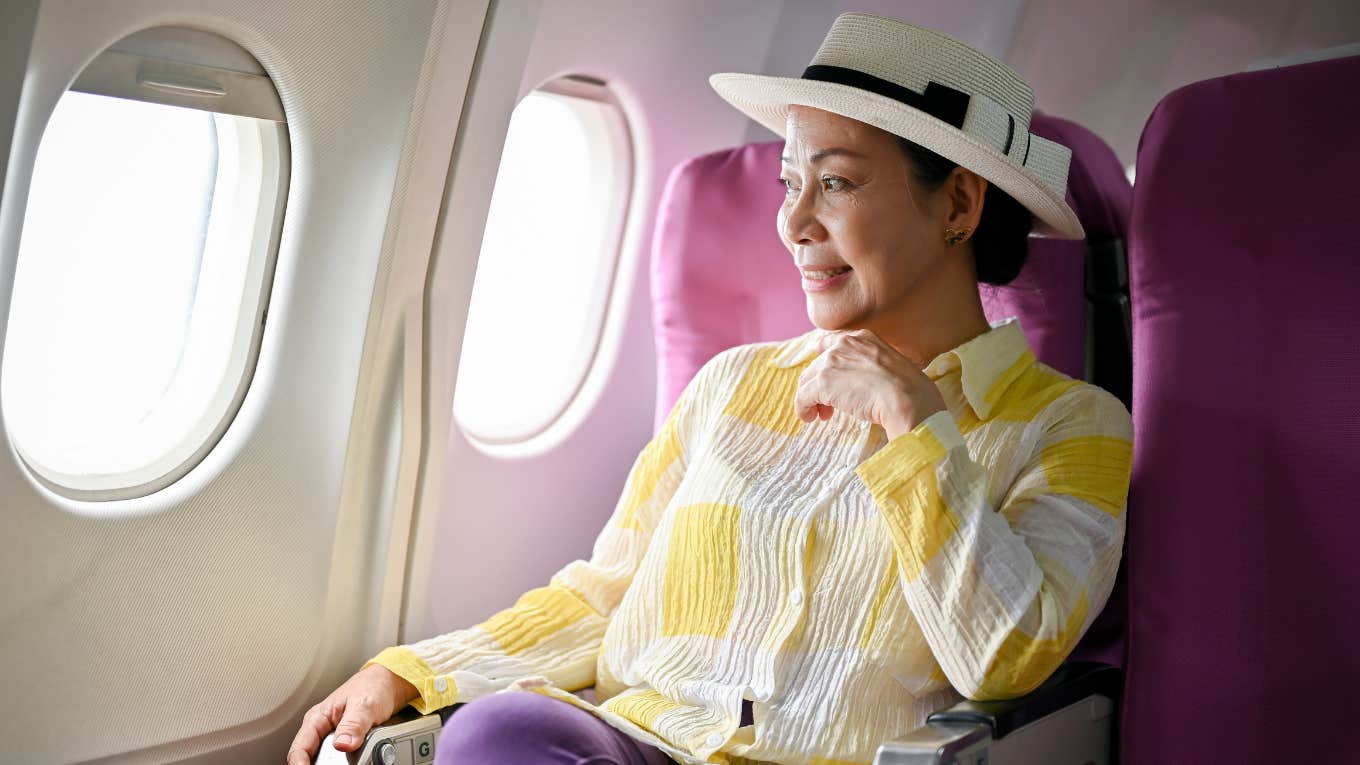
953	236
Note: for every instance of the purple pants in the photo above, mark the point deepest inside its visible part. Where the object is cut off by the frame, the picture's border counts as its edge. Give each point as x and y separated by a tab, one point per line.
525	728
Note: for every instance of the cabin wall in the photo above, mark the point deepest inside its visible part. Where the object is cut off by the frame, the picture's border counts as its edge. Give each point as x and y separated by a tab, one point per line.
17	18
196	623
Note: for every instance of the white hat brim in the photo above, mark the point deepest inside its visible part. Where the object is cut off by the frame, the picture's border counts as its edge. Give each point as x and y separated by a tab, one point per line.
766	98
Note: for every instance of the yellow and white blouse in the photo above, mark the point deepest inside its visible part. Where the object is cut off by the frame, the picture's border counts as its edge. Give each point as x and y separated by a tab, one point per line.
847	584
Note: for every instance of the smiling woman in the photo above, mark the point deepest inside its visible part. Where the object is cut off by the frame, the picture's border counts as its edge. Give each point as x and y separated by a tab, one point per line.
904	433
867	233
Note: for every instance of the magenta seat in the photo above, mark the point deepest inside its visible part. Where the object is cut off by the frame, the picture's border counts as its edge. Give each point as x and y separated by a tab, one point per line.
721	277
1244	616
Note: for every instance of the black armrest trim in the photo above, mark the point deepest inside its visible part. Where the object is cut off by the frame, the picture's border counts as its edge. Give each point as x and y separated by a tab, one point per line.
1071	683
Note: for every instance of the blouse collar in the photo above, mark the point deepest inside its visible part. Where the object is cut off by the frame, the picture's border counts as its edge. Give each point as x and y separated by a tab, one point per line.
987	363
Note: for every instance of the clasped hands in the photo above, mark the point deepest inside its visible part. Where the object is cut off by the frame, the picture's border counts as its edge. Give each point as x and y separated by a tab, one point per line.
860	374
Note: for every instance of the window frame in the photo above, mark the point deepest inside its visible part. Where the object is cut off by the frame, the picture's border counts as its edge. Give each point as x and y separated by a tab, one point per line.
125	70
550	432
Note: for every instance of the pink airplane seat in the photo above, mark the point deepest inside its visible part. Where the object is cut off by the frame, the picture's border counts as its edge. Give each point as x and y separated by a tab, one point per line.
1244	617
721	277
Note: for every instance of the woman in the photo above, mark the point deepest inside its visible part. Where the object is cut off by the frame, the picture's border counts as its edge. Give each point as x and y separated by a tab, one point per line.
834	535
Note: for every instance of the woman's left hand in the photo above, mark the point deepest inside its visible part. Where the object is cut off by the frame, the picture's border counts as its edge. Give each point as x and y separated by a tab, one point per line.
863	376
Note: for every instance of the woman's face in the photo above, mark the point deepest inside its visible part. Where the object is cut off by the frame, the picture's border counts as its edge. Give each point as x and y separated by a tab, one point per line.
852	203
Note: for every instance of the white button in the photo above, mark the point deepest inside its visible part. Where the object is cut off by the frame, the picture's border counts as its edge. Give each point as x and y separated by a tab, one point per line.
865	425
441	684
714	739
796	596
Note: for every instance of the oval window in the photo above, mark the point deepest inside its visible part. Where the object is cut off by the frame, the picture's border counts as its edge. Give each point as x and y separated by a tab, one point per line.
148	237
547	261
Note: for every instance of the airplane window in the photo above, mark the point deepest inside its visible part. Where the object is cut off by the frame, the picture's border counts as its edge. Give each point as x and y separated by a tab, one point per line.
547	262
147	240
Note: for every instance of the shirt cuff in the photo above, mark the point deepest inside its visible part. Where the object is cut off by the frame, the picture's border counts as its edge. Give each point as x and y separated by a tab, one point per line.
436	691
903	457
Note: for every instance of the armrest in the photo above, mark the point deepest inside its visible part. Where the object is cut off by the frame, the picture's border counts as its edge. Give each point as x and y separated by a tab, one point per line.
406	738
1071	683
1070	718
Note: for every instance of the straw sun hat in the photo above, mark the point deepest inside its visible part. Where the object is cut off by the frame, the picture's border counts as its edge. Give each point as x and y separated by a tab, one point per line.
931	89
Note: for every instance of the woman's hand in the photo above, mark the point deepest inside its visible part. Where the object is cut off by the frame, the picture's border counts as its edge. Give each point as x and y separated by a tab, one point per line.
369	697
868	379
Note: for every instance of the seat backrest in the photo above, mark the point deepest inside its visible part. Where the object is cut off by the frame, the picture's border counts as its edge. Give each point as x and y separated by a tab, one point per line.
721	277
1244	620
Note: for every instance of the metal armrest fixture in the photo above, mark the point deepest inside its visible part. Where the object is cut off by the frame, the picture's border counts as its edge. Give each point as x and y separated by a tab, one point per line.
408	738
1068	719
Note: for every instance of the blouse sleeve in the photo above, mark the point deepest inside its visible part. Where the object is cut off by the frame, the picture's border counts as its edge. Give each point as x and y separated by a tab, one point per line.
556	631
1003	594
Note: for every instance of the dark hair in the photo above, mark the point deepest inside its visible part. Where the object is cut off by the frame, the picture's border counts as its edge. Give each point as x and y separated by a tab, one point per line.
1001	241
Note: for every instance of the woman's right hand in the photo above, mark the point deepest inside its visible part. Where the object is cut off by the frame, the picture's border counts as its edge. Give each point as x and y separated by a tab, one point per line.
371	696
